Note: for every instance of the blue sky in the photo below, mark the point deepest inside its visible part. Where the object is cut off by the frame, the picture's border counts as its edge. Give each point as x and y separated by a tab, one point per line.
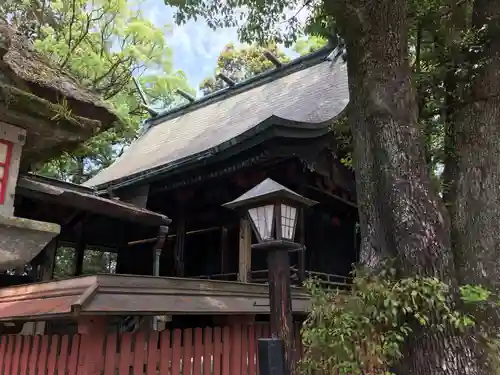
195	46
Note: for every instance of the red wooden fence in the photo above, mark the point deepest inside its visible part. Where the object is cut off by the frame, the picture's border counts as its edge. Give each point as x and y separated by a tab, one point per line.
229	350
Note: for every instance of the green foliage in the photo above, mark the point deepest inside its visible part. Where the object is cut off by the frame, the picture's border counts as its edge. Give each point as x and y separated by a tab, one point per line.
340	128
363	331
310	44
102	43
241	63
259	21
94	261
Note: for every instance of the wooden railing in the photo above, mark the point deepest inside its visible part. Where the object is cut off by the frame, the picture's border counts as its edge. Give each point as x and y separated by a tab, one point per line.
326	279
261	276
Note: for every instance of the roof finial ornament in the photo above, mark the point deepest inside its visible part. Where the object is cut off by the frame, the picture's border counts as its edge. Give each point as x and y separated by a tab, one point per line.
186	95
145	104
271	57
230	82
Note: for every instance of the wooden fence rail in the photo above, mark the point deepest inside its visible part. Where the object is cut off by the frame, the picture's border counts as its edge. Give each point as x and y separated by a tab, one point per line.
230	350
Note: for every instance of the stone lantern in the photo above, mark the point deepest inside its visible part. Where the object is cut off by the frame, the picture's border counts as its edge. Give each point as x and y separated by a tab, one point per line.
20	239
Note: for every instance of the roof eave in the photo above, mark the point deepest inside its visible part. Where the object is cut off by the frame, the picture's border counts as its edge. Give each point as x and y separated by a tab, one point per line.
88	202
270	128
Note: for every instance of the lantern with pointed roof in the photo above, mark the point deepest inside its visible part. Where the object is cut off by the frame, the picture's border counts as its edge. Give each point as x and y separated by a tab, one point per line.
273	210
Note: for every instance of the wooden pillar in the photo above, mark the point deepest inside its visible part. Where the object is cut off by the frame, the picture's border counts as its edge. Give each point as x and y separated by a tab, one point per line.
157	248
80	251
302	240
281	302
180	237
93	331
223	250
245	252
48	260
160	242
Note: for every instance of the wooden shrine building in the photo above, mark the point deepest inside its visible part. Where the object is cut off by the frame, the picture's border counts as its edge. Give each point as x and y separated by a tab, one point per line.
130	222
199	283
191	160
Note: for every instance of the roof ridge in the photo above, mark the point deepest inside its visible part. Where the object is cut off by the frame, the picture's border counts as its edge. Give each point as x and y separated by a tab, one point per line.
300	63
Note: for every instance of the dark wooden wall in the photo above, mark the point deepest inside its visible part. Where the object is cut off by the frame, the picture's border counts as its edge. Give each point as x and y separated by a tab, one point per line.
328	227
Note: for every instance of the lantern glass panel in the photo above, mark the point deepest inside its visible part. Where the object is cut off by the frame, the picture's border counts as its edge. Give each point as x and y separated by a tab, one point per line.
262	218
288	221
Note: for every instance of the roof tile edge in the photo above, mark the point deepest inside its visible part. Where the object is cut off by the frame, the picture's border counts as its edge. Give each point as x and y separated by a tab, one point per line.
300	63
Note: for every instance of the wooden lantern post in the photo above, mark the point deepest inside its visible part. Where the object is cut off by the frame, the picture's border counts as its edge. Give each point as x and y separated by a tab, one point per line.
273	211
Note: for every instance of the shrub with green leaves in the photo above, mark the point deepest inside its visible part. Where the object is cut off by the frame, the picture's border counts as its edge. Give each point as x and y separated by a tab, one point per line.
362	331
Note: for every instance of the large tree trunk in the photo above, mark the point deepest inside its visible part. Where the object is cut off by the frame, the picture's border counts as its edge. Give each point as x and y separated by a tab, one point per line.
475	165
401	216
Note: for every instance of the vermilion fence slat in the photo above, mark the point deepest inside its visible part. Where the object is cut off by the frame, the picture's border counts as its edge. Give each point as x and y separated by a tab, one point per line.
235	349
35	348
73	357
244	350
62	361
187	352
110	356
95	353
139	354
85	342
23	366
42	359
251	350
3	351
18	347
152	358
165	353
207	351
198	351
52	357
217	351
176	352
226	351
125	353
8	354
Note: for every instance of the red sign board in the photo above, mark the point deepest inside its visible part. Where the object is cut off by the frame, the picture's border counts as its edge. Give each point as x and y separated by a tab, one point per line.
5	159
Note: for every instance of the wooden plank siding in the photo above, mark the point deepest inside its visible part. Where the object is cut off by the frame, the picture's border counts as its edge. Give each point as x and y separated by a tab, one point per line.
229	350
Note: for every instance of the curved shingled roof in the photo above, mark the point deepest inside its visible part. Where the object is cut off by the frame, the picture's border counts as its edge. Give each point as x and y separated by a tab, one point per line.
308	92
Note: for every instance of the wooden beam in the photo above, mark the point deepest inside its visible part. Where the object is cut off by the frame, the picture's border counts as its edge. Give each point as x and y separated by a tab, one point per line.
334	196
189	232
245	251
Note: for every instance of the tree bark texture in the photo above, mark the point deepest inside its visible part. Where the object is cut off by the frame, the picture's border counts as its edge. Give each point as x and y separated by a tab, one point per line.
474	165
401	216
280	302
